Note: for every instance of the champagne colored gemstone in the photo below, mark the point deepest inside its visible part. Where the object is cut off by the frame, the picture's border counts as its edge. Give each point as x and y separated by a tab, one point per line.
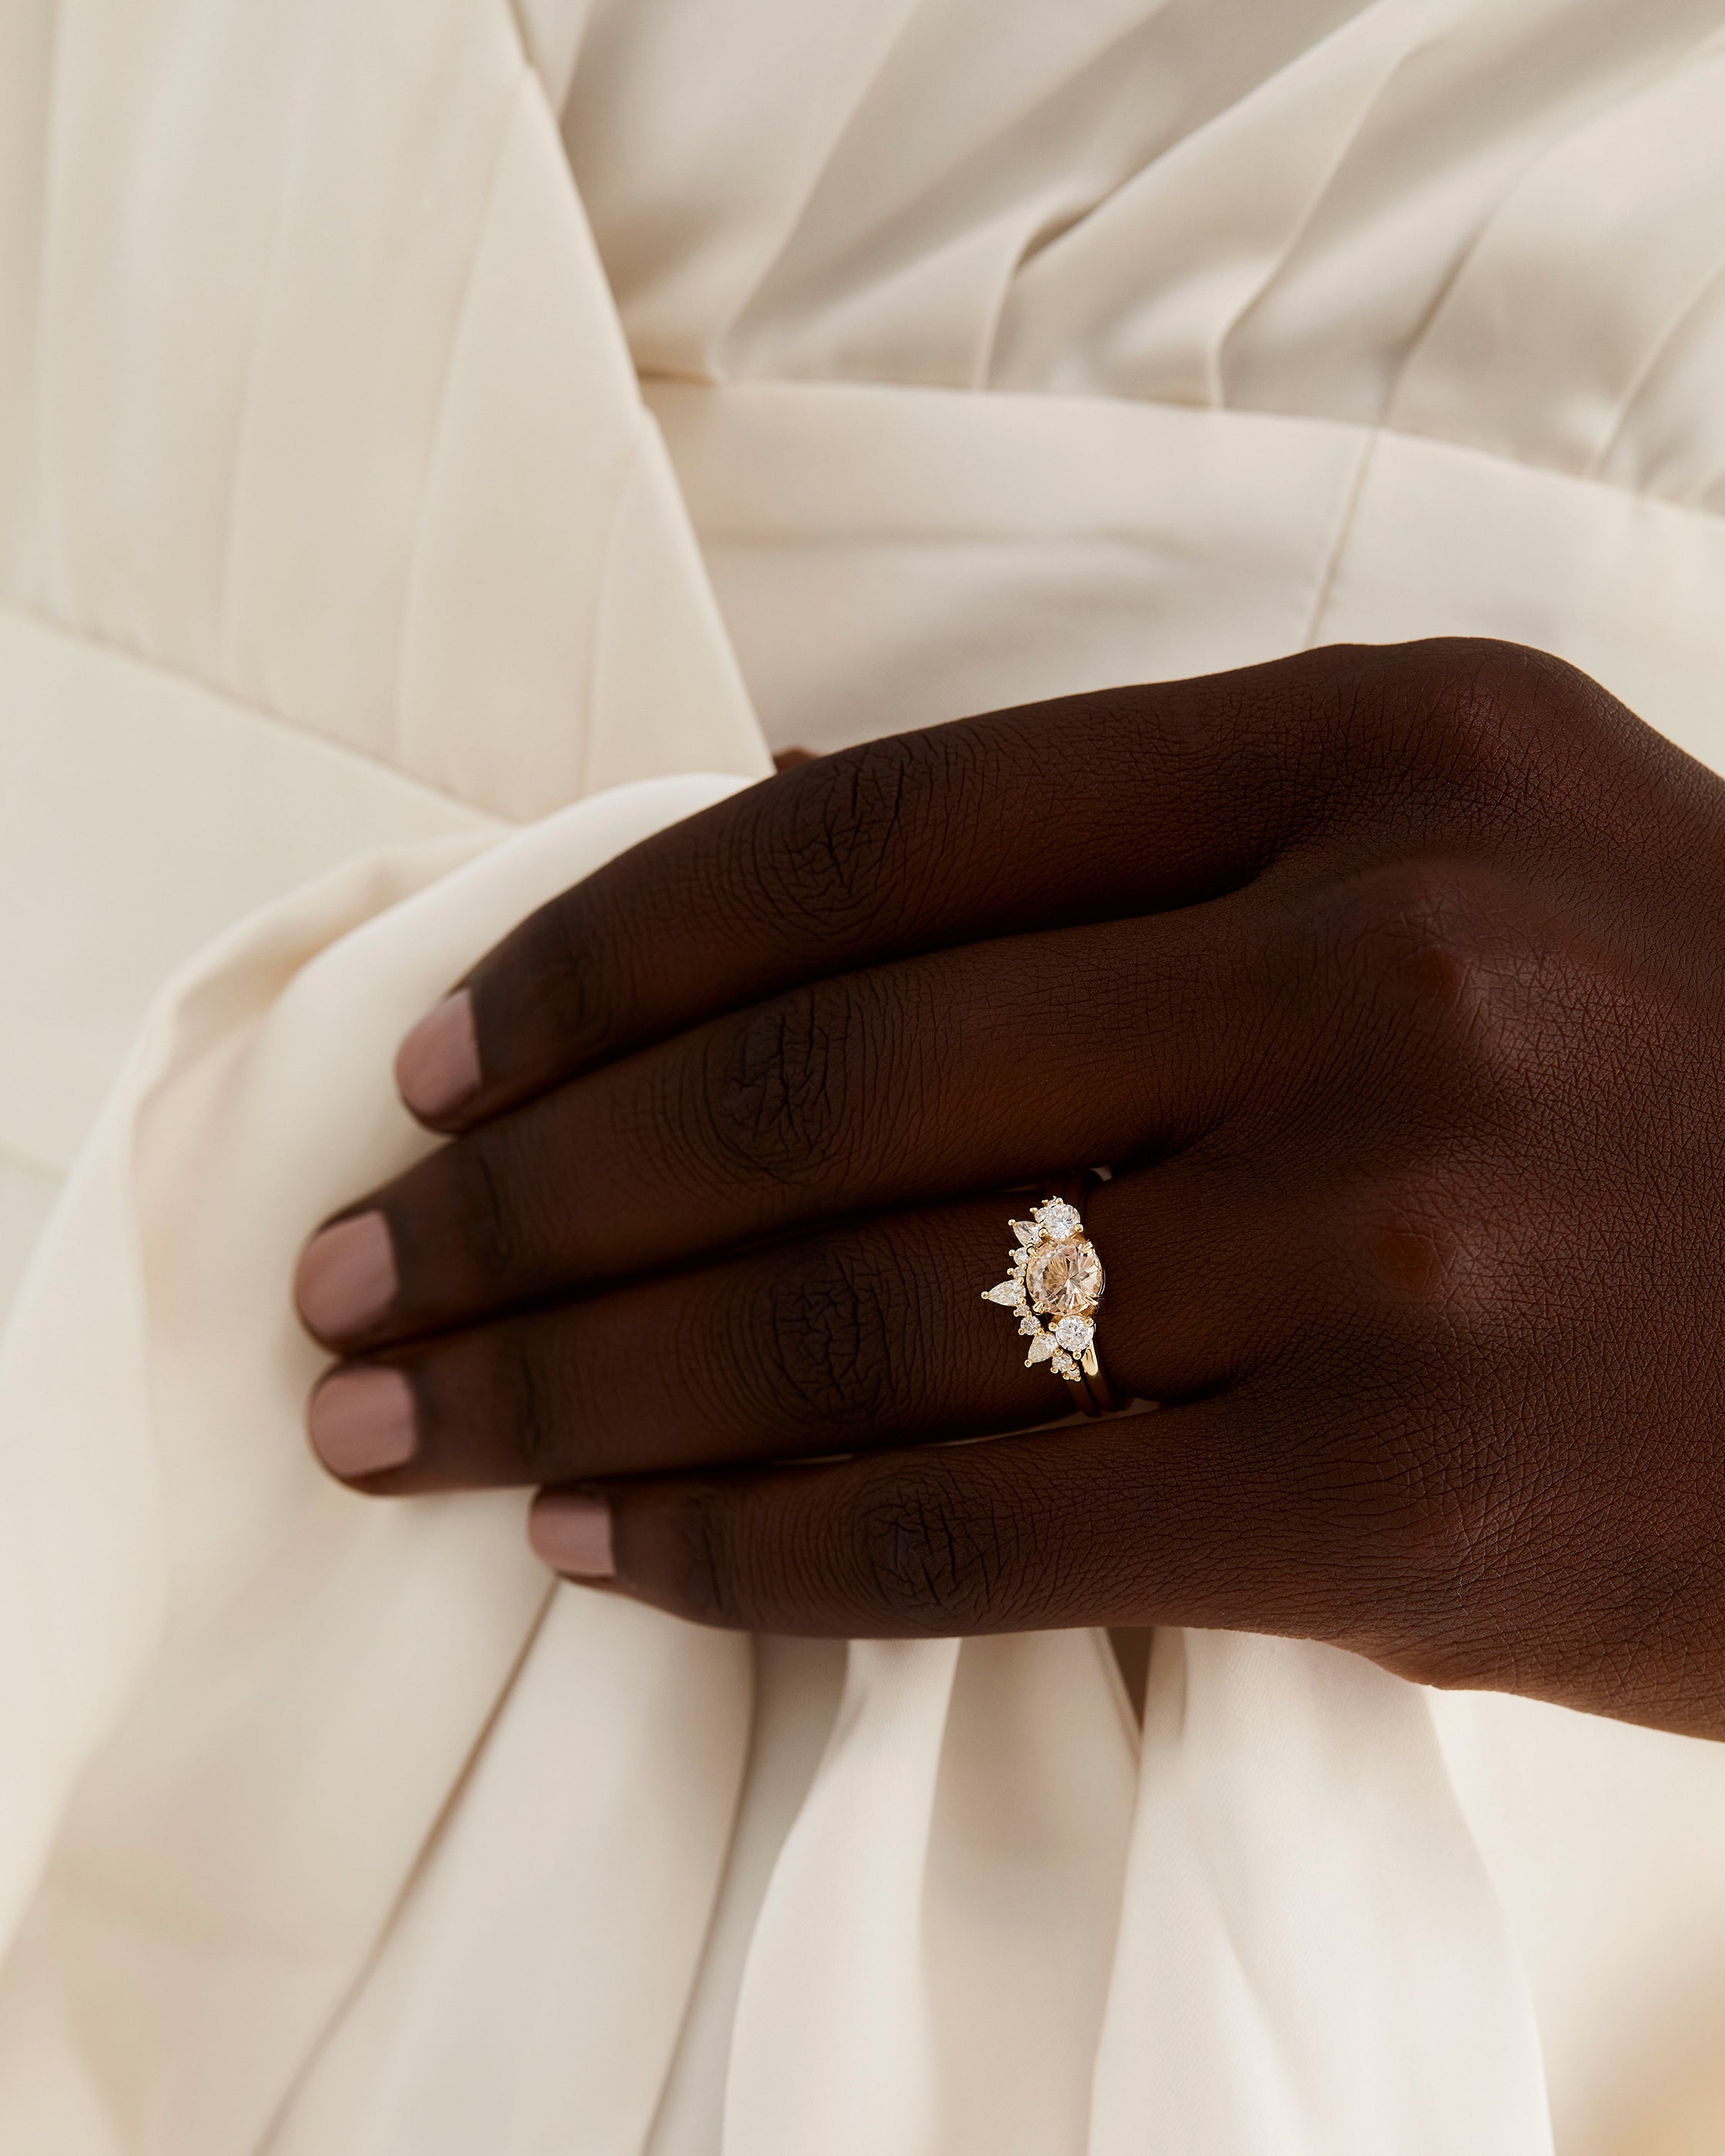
1065	1278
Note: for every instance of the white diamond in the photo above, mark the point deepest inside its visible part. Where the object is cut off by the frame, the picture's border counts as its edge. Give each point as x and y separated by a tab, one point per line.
1041	1348
1026	1231
1064	1364
1018	1259
1027	1325
1009	1292
1059	1218
1075	1333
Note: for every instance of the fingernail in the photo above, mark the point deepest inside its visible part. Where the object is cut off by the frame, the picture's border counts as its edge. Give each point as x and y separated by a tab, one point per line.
346	1277
573	1535
437	1065
362	1421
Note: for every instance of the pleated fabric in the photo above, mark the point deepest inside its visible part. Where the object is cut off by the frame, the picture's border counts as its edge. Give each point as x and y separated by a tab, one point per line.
354	597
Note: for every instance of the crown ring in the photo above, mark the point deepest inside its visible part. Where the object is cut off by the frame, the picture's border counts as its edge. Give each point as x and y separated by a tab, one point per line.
1053	1288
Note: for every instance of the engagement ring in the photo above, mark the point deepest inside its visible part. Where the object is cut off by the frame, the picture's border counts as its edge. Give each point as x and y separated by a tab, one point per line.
1054	1284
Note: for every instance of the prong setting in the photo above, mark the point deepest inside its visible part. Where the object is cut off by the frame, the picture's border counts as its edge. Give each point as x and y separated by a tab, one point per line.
1054	1274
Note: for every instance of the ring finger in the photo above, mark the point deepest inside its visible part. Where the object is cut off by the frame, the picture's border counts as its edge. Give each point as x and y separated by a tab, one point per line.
961	1070
872	1335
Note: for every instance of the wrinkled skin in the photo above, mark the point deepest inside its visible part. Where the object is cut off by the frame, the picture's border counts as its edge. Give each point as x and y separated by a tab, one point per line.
1390	982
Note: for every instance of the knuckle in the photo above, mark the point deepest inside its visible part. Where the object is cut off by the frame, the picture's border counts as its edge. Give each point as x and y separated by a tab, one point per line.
510	1382
836	1336
1428	919
1490	720
1424	1245
558	958
829	858
776	1096
930	1562
701	1579
487	1221
1427	949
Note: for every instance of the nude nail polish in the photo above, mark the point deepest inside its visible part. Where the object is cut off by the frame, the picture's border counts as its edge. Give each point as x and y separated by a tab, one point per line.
437	1065
573	1535
363	1421
346	1277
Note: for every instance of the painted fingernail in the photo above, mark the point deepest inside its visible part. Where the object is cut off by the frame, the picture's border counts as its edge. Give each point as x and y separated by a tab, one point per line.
573	1535
362	1421
437	1065
346	1277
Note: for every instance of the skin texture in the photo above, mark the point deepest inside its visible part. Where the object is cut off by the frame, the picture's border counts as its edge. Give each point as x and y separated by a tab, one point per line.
1391	984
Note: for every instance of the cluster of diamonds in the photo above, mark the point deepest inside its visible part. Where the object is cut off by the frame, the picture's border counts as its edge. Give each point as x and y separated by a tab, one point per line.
1063	1342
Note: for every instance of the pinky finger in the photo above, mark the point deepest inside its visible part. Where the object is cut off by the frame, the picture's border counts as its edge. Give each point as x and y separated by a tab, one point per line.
1167	1518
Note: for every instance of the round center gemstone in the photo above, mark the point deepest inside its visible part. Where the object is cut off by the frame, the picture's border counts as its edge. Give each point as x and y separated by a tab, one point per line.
1065	1278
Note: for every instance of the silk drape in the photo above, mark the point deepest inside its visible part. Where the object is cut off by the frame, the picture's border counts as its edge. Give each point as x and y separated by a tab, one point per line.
351	600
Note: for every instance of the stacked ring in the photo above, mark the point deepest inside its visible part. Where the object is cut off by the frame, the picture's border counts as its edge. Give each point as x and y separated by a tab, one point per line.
1054	1285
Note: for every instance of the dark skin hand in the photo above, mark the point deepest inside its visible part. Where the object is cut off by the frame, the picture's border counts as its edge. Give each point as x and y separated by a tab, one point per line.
1391	984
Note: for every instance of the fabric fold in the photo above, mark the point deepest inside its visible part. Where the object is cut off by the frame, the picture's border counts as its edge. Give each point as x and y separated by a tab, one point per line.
1313	1960
338	554
263	1691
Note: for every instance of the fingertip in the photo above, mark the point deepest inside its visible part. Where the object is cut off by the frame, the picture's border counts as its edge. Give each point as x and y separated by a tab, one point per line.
437	1067
572	1532
346	1277
363	1422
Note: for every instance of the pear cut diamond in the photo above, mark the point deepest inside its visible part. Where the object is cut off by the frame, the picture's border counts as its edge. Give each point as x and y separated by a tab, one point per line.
1009	1292
1041	1348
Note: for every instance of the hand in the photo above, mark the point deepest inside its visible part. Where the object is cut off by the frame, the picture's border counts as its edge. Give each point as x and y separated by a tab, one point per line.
1391	984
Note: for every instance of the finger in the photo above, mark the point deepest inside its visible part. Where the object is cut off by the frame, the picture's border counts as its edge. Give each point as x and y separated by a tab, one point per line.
1091	806
962	1071
877	1334
980	829
1206	1515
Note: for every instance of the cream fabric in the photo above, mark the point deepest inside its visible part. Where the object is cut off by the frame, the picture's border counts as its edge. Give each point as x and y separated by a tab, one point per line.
350	604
